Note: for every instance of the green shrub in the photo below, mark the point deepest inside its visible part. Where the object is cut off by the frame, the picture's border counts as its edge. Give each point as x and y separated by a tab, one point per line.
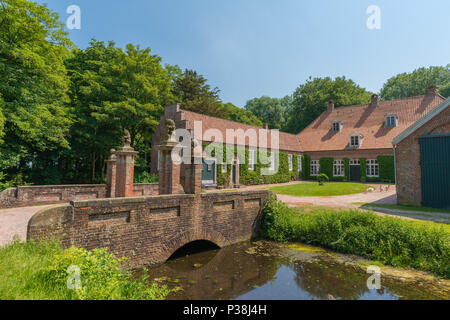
39	271
145	177
326	166
390	240
321	178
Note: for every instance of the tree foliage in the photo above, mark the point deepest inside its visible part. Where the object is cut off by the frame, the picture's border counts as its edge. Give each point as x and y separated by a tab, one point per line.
272	111
33	84
416	83
237	114
113	90
192	91
311	99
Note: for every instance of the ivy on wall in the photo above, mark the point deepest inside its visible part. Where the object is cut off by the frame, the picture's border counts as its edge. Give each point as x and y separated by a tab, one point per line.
254	177
347	168
326	166
363	169
387	168
306	173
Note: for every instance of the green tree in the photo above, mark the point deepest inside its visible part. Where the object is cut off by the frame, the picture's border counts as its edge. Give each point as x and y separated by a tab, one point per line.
2	121
416	83
445	90
113	90
311	99
194	94
237	114
33	85
272	111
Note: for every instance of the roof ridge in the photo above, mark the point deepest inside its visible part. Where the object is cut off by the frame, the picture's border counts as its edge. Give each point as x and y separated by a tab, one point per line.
240	123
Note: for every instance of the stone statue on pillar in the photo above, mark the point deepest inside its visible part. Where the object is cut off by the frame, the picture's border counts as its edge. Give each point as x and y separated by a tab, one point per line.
169	171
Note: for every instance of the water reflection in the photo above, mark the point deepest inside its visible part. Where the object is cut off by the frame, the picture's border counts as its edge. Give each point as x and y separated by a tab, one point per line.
246	271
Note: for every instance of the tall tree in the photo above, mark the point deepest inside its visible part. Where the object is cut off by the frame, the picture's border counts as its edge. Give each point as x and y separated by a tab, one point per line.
194	94
445	90
33	84
2	121
311	99
113	90
237	114
415	83
272	111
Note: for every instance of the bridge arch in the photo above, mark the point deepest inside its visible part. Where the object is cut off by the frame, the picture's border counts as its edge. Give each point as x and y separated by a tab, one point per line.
171	245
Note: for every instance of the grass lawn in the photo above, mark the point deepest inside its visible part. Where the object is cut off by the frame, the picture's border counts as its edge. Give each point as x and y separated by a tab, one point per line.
313	189
406	208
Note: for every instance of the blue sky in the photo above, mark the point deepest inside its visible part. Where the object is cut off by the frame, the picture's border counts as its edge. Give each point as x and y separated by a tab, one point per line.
250	48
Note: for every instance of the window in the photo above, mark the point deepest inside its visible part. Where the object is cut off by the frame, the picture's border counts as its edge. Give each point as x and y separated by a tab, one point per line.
159	156
299	159
355	162
336	127
315	167
338	168
391	121
372	169
251	159
354	141
291	162
272	161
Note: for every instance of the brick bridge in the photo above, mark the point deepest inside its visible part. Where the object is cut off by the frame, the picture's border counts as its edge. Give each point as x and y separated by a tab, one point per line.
148	229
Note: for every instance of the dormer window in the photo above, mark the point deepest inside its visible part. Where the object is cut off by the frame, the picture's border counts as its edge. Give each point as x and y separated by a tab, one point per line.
391	121
355	141
336	126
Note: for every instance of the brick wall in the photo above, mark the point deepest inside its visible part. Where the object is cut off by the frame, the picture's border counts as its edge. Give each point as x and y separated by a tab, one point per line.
148	230
409	184
32	195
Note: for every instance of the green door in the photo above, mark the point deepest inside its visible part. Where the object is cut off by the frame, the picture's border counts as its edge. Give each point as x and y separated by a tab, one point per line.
209	172
435	170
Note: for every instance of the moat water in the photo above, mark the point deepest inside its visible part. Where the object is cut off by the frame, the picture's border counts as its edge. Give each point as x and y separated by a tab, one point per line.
267	271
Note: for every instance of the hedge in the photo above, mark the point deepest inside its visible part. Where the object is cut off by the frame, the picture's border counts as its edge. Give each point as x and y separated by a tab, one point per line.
386	167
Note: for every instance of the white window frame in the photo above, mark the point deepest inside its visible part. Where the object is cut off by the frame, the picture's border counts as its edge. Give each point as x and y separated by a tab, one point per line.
338	168
272	161
355	162
299	159
372	168
291	162
251	159
315	167
333	128
352	137
391	121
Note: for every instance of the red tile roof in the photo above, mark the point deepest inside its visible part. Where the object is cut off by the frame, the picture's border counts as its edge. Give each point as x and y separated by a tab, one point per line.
288	142
368	122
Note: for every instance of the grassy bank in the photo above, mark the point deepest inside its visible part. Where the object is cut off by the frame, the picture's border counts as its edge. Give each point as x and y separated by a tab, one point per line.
38	271
313	189
392	241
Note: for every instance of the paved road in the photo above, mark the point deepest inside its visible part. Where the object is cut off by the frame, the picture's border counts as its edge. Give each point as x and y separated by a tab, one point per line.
14	222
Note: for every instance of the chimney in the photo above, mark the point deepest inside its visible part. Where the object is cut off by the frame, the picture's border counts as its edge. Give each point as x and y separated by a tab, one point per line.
330	106
374	102
266	126
432	89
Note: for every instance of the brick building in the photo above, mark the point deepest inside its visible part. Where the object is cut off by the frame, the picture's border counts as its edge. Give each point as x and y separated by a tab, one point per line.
355	142
347	143
422	158
288	144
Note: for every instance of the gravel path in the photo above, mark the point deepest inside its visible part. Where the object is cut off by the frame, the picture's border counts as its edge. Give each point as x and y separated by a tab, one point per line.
14	222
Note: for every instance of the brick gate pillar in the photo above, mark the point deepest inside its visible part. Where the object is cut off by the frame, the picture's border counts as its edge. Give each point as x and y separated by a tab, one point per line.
125	168
111	166
169	170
